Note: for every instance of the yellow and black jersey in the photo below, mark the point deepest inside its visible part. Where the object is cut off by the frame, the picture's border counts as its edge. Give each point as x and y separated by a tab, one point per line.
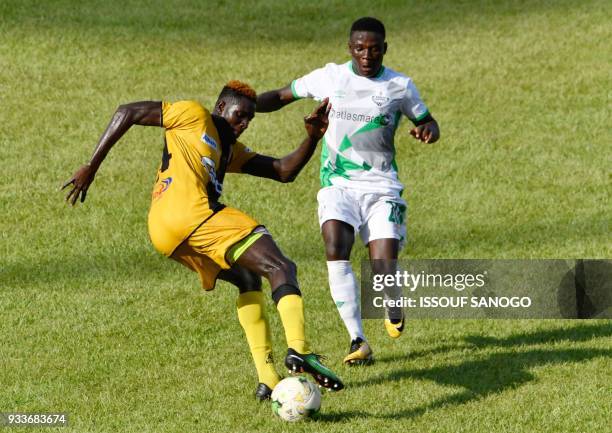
190	178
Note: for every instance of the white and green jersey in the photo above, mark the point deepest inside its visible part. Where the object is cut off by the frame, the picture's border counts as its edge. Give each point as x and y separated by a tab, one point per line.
358	150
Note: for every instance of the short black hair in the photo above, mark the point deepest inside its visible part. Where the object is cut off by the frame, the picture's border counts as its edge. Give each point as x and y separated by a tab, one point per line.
368	24
234	90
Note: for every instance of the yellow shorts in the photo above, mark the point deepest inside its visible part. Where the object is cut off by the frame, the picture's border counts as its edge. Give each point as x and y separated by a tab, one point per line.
205	250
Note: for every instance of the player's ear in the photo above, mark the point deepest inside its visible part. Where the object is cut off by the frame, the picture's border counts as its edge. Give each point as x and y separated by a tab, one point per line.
385	48
220	106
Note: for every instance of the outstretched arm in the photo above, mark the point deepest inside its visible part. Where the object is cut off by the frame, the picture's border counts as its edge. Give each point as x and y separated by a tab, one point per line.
288	167
274	99
147	113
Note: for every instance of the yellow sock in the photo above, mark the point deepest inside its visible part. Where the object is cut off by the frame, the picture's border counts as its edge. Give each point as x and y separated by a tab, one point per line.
291	310
251	314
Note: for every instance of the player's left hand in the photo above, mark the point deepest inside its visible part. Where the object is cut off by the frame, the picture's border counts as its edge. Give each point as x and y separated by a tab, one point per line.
80	182
316	123
427	132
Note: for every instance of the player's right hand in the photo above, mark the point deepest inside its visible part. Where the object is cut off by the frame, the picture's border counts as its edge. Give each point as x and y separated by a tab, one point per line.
80	182
316	123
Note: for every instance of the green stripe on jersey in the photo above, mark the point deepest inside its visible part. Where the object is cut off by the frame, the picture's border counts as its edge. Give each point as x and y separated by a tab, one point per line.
344	164
327	174
377	122
295	95
346	143
324	154
422	116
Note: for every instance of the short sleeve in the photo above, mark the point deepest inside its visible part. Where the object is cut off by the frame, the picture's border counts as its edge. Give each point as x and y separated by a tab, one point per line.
412	105
313	85
240	155
182	114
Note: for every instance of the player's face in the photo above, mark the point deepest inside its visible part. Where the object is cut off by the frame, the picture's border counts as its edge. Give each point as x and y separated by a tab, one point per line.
239	114
367	50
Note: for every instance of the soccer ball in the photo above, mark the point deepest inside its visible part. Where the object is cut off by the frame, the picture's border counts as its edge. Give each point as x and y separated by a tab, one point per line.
295	398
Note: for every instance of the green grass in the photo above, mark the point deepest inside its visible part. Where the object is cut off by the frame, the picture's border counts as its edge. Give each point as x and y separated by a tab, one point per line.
97	324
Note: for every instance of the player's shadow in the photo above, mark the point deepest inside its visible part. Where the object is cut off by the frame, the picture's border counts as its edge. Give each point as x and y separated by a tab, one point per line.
497	372
580	333
574	333
334	417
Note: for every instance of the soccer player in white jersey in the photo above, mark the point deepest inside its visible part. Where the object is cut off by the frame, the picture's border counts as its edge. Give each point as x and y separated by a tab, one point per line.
360	189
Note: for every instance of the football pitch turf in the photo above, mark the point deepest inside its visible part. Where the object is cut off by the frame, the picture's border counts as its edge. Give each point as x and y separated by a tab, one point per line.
97	324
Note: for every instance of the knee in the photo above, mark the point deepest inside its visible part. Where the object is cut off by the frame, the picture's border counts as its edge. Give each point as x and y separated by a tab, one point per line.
288	267
385	267
281	266
337	251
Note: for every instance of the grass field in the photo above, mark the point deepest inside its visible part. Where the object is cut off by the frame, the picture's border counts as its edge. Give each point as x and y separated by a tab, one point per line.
95	323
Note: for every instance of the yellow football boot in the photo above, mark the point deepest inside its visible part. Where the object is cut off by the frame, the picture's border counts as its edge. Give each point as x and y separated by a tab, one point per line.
360	353
394	329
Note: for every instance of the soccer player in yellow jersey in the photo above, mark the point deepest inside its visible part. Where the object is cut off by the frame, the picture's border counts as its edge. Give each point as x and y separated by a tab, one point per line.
188	223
